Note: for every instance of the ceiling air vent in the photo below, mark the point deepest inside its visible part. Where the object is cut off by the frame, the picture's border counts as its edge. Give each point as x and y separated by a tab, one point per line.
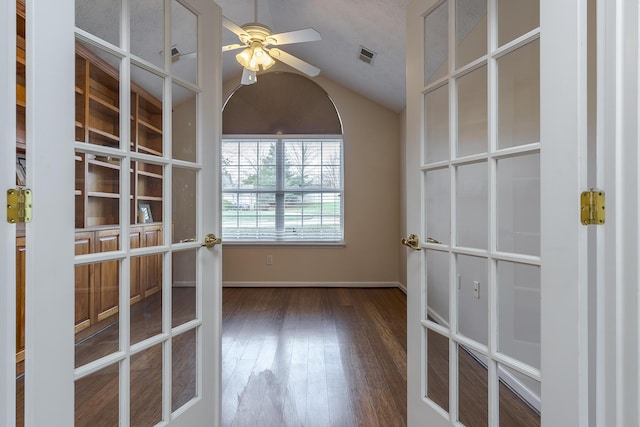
175	54
366	55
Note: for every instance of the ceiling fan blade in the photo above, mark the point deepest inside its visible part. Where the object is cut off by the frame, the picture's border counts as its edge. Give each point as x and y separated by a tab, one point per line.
232	47
295	62
298	36
234	28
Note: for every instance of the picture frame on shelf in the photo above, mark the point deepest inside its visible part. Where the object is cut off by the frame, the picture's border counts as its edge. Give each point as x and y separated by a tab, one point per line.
21	170
144	213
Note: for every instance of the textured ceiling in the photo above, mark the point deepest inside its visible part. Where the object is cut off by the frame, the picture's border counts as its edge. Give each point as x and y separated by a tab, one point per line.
344	25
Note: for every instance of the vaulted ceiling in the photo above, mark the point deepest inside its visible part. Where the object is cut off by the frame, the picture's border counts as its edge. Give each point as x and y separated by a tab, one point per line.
345	27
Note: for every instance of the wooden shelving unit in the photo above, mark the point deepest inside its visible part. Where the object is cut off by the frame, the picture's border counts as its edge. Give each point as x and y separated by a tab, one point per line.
97	189
98	122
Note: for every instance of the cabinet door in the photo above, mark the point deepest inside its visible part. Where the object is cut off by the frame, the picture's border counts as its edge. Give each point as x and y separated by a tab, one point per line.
84	301
135	238
152	271
107	276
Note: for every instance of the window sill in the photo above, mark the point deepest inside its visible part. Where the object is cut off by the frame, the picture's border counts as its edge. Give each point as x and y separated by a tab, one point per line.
310	244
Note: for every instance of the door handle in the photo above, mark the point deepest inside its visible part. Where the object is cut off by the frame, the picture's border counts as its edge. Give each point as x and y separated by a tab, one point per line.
210	240
430	240
413	241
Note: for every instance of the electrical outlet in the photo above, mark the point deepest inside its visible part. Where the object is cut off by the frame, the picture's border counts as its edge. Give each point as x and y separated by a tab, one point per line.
269	260
476	289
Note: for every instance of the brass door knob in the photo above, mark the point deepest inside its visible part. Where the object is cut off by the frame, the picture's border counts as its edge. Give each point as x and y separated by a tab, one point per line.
210	240
413	241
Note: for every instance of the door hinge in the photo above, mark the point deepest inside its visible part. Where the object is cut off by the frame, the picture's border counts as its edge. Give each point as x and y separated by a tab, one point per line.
592	207
19	205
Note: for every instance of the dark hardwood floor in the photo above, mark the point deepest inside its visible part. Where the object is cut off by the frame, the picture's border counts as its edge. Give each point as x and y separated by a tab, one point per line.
314	357
298	357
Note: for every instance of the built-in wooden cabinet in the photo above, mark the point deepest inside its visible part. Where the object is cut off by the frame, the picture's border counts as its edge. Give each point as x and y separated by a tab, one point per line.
97	285
97	189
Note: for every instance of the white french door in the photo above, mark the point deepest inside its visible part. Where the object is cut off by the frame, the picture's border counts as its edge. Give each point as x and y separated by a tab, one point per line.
496	160
123	270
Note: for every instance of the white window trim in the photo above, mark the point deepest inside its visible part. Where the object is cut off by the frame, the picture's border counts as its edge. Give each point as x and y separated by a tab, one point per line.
305	243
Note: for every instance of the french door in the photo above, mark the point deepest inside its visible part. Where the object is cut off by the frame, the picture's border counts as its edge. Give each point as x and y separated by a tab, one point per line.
496	160
123	267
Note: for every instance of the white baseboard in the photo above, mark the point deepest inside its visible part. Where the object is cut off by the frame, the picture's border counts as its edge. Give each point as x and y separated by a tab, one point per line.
234	284
183	284
402	287
529	396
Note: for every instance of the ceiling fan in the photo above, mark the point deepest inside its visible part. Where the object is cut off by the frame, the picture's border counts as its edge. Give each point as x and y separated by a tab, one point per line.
257	39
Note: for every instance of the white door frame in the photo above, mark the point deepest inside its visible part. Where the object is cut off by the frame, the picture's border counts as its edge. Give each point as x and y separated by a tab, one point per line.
618	156
49	365
564	155
50	236
564	306
7	231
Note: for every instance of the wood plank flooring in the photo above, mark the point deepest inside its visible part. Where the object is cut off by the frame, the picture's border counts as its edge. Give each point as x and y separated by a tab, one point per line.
304	357
314	357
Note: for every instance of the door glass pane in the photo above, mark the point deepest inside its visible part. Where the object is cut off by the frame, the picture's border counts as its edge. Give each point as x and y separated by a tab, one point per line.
519	204
472	390
438	369
97	96
437	205
146	193
472	206
519	394
519	96
473	301
146	112
147	30
184	128
146	387
97	398
438	287
519	311
436	43
97	307
183	291
146	296
183	372
516	17
184	204
471	31
472	113
437	125
184	42
100	18
21	180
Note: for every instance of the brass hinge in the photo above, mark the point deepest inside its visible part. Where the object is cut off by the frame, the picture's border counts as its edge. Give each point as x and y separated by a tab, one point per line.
592	207
19	205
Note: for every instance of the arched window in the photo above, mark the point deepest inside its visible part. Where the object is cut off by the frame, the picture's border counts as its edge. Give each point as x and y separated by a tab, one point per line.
282	163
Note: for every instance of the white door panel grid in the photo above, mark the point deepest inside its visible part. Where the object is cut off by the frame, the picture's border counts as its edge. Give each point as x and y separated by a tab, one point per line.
496	149
122	141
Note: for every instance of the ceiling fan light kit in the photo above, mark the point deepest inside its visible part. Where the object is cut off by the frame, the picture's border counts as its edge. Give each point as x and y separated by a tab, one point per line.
255	38
254	57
